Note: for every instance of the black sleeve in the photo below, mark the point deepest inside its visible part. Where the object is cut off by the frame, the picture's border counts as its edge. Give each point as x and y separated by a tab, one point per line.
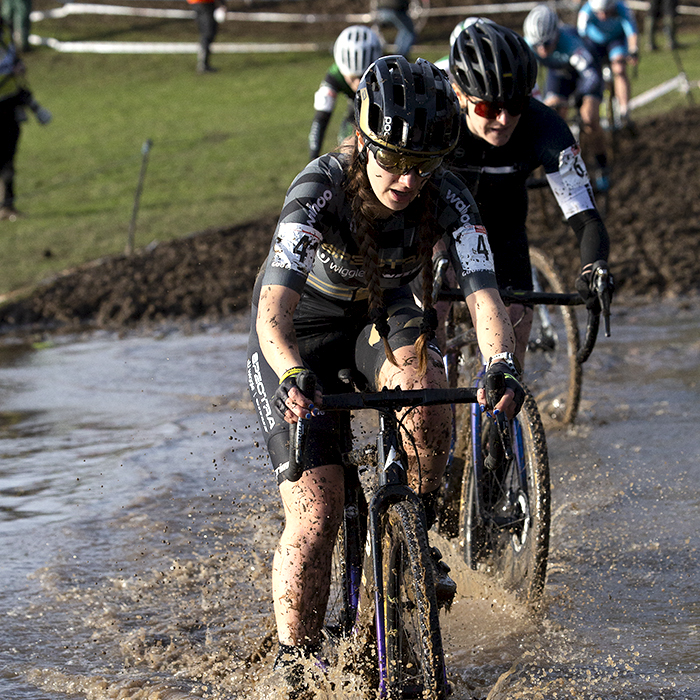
592	236
318	131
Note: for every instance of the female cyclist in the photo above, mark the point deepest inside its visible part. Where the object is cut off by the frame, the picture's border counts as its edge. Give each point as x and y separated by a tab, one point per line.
356	227
611	29
506	135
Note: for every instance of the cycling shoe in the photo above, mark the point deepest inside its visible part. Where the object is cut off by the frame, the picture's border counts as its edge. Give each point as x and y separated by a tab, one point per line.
292	662
445	587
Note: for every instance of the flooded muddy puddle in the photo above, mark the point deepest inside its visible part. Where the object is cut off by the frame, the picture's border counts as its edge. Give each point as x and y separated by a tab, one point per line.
138	517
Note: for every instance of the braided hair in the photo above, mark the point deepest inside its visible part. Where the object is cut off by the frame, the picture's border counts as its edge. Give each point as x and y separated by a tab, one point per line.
366	209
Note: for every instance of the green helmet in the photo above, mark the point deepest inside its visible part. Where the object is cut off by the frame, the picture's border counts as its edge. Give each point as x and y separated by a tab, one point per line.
407	107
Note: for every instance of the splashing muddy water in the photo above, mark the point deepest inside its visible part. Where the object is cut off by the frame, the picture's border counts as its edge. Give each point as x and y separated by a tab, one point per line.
138	517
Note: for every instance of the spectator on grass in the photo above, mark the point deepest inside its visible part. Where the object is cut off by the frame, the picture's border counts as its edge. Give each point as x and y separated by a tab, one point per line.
14	97
664	10
395	13
15	14
355	49
208	14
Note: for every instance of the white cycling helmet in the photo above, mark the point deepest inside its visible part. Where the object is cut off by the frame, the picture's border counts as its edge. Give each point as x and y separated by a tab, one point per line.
602	5
355	49
541	25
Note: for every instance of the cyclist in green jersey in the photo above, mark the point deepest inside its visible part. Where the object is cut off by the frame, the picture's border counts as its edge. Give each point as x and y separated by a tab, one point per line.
354	50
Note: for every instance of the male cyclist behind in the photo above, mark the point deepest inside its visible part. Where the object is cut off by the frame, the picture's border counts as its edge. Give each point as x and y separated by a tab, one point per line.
505	135
572	71
355	49
611	30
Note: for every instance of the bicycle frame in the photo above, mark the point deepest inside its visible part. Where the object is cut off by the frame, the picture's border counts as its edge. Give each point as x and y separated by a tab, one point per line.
364	521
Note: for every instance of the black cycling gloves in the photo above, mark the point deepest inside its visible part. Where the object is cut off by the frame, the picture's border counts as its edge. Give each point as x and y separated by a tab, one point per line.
499	376
299	377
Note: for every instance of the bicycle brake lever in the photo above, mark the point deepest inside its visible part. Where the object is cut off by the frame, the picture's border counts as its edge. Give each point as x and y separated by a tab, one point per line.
601	287
439	271
298	434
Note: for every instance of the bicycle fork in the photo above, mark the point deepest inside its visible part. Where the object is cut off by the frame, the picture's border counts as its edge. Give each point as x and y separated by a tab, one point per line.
393	488
515	482
547	340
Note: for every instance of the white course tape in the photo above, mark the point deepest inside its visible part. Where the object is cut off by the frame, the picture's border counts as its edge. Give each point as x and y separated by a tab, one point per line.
136	47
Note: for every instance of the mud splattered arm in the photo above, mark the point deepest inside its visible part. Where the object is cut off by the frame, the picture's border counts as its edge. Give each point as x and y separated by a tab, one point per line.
494	333
494	330
276	329
278	342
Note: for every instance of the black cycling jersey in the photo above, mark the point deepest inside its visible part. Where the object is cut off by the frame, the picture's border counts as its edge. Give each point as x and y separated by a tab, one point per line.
314	252
314	244
325	98
497	176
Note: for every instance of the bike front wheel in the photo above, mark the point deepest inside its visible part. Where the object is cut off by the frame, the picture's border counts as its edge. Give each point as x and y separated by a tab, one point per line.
414	659
552	371
505	513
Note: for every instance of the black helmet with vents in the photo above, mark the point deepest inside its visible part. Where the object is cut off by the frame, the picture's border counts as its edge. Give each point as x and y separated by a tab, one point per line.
493	63
407	107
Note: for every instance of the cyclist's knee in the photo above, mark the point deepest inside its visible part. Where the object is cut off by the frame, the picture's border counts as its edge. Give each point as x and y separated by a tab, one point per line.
521	318
313	504
619	66
405	374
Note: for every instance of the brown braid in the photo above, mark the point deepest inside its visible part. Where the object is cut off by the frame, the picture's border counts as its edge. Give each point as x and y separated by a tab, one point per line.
427	240
365	209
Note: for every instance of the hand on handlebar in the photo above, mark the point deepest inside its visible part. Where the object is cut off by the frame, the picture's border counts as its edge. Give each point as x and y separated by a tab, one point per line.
501	390
298	395
596	286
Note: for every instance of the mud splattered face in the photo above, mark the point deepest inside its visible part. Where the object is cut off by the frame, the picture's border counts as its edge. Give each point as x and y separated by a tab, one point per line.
394	191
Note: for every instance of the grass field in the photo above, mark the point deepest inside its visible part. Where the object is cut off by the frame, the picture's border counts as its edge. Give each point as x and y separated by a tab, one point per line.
225	145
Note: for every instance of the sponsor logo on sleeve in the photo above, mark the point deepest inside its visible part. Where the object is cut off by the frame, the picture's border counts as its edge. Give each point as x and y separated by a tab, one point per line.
315	207
460	205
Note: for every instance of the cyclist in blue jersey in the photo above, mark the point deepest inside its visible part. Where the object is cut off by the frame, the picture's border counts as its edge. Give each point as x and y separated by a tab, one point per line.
611	29
356	227
572	71
354	50
506	134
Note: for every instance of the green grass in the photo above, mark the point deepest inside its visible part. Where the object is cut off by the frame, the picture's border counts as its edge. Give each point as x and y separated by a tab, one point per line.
225	146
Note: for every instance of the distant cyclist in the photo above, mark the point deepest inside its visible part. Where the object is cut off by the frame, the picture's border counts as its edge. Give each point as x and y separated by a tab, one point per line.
610	27
573	70
506	134
354	50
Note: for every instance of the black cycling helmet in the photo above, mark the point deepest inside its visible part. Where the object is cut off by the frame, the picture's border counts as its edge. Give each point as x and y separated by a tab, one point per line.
407	107
493	63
